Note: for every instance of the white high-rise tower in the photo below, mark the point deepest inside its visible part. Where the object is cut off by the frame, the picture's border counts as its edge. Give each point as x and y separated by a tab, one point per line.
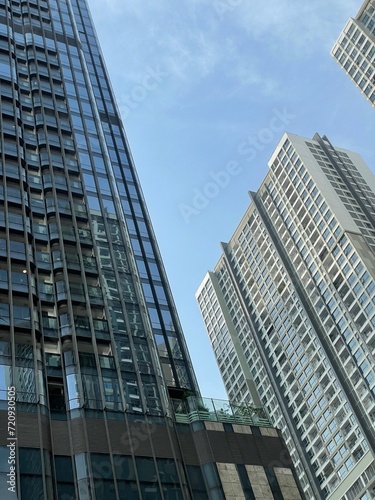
290	312
355	50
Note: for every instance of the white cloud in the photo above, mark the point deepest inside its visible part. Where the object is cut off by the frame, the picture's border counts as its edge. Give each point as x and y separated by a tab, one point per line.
295	27
184	40
193	43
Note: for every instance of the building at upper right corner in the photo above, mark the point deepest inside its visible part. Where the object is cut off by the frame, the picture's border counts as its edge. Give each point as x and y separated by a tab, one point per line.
290	312
355	50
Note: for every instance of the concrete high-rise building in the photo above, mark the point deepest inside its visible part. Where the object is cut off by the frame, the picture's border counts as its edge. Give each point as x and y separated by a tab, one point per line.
96	383
355	50
290	312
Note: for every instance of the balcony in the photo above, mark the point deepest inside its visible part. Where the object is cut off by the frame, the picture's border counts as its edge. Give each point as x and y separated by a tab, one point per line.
195	408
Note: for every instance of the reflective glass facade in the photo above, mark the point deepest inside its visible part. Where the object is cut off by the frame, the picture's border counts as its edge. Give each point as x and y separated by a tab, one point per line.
355	50
91	348
81	277
290	312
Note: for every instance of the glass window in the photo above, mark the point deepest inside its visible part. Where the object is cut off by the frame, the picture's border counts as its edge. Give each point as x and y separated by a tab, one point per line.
21	316
128	489
65	490
150	492
211	475
87	359
161	345
105	488
19	281
131	389
32	487
99	164
64	469
167	470
154	270
173	492
195	477
4	456
161	294
81	466
167	318
101	466
4	314
146	469
109	207
141	268
112	393
30	461
104	186
124	467
73	391
91	389
89	182
154	317
93	203
3	278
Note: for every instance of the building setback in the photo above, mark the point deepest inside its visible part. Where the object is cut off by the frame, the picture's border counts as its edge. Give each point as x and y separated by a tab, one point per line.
290	312
354	50
95	378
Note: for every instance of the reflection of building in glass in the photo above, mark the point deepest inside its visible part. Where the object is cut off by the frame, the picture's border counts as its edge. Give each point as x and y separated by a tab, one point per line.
89	335
290	312
355	50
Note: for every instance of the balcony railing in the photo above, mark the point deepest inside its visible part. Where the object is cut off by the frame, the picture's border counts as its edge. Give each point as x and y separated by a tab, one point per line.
216	410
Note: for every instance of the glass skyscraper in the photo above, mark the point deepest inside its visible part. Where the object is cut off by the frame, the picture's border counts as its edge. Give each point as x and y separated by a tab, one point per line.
290	312
92	355
355	50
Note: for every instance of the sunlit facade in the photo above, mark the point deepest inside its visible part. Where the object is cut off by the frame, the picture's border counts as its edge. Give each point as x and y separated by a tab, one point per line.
355	50
290	312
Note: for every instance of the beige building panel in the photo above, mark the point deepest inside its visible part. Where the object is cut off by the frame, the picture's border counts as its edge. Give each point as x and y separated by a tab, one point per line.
287	483
259	482
242	429
265	431
214	426
230	481
262	492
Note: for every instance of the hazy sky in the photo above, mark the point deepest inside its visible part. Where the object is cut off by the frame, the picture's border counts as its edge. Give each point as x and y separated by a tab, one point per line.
206	86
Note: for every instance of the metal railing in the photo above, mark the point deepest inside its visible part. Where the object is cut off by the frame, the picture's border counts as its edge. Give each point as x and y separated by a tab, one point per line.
195	408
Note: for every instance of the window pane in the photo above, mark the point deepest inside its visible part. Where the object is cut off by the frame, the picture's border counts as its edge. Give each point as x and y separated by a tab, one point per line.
124	467
64	469
167	470
146	469
101	466
30	461
150	492
32	488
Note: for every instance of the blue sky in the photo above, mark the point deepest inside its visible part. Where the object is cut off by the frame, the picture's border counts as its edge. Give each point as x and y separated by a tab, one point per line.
206	86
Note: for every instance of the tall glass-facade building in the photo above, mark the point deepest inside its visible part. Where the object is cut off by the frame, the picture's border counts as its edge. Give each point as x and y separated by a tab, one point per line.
92	355
290	312
354	50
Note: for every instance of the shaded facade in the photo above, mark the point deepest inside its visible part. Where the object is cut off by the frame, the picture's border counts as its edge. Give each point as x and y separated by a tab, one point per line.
354	50
91	348
200	453
290	312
